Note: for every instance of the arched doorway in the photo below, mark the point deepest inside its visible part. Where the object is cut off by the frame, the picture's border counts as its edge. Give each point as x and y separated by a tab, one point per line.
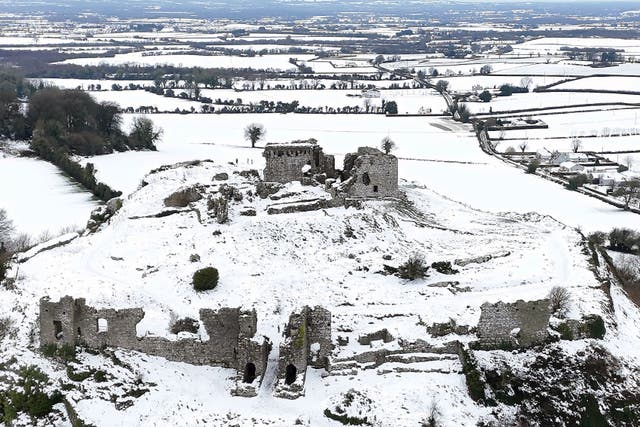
249	373
290	376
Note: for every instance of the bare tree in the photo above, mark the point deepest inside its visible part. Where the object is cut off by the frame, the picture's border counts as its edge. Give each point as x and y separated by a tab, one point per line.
628	191
254	133
367	104
526	82
523	146
387	145
559	301
576	145
628	161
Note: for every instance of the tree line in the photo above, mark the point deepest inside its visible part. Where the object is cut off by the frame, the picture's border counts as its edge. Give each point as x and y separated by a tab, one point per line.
61	123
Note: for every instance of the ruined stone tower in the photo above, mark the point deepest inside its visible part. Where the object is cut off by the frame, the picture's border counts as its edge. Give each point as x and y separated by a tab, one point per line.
307	342
370	173
295	161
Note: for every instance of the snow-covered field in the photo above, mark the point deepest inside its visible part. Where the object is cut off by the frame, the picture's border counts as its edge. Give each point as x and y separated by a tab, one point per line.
523	101
552	45
279	62
38	198
631	84
615	130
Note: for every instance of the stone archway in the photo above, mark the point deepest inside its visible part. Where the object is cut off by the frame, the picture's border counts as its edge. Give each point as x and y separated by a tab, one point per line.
290	374
249	373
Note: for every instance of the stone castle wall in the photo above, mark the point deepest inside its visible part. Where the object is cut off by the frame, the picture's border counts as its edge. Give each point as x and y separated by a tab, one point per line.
520	324
285	162
231	333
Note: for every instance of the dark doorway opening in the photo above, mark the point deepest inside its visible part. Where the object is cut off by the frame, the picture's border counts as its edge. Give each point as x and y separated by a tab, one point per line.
57	326
375	188
290	377
249	373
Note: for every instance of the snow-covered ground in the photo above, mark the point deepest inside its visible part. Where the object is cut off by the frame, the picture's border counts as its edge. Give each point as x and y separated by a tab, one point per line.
326	269
38	198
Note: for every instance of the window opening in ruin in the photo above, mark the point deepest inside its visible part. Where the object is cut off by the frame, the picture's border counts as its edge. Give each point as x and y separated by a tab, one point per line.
316	158
290	376
365	179
103	325
57	326
249	373
375	188
79	332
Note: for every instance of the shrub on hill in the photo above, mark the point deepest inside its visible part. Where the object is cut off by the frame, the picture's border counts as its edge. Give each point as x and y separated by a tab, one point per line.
414	268
205	279
623	240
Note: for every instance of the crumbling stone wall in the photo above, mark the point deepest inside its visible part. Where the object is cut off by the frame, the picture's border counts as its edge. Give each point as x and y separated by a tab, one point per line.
287	162
520	324
370	173
231	331
307	342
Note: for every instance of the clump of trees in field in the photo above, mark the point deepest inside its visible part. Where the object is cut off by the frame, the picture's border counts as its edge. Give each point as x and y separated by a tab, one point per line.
61	123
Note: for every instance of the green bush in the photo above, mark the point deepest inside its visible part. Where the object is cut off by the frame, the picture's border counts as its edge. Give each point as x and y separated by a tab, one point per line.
623	240
29	396
595	327
205	279
475	383
533	166
346	420
565	332
577	181
100	376
49	350
78	376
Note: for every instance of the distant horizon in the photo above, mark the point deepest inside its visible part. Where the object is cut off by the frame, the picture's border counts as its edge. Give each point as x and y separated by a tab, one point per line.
252	9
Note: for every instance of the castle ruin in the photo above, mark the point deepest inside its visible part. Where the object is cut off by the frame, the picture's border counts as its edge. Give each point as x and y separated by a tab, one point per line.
307	342
296	161
370	173
367	174
232	342
519	324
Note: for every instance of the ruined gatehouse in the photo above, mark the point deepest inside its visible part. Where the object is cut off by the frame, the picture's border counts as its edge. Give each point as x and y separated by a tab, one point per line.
307	342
